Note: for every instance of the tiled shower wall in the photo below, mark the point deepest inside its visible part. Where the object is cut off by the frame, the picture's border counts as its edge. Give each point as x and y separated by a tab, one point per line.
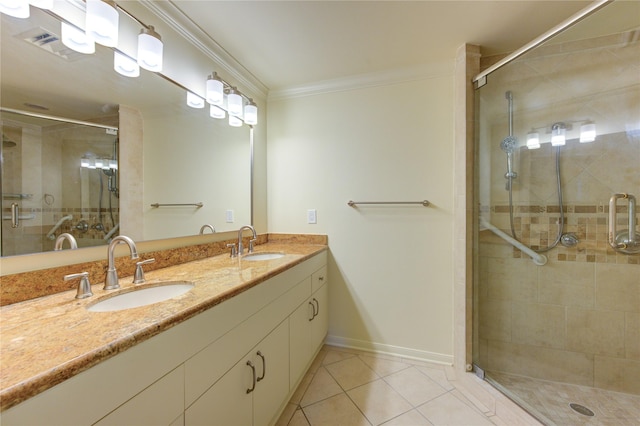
577	318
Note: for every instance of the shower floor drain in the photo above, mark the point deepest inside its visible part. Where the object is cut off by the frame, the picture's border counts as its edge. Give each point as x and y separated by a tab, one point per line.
581	409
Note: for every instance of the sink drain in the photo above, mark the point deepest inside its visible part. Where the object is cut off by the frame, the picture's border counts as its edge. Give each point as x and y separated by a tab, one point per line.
581	409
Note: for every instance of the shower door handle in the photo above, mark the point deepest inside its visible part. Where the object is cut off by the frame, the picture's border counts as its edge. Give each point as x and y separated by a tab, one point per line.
626	241
15	215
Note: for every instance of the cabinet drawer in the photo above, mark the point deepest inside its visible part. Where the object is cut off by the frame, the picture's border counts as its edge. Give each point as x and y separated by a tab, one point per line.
318	279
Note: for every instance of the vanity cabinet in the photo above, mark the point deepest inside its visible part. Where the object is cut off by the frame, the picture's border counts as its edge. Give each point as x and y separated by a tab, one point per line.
308	325
197	372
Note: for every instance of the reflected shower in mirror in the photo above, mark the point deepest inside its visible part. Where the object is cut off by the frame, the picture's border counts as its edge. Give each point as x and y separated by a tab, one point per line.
57	177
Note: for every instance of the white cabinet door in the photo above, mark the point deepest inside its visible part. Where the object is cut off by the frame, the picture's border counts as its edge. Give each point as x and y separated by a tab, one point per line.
228	402
320	323
271	358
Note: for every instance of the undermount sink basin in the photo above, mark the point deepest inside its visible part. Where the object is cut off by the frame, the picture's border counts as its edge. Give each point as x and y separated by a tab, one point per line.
262	256
141	297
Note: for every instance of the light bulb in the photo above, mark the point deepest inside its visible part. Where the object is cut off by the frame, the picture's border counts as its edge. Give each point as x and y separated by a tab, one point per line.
216	112
150	49
15	8
251	113
234	103
113	164
194	101
102	22
99	163
558	134
587	133
215	90
76	39
84	162
125	65
234	121
533	140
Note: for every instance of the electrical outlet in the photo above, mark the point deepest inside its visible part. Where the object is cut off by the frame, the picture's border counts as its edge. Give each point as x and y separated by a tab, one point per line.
312	216
229	216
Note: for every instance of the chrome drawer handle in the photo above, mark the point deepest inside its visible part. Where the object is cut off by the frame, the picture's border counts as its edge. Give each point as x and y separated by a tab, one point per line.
253	372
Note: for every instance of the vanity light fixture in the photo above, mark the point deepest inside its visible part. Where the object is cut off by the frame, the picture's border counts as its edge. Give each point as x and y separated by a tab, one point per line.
216	112
215	90
15	8
251	113
194	101
558	131
125	65
234	121
76	39
533	140
234	103
102	22
42	4
150	49
587	132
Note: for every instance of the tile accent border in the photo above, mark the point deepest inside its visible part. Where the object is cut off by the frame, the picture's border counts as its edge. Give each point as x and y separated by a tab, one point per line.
537	226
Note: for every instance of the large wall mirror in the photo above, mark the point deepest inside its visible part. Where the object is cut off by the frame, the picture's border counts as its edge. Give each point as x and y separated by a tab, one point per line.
196	168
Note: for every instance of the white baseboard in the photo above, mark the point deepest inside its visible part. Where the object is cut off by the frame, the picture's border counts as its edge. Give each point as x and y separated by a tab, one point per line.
398	351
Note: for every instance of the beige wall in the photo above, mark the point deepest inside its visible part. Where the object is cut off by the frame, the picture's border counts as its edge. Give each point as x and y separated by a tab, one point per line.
391	268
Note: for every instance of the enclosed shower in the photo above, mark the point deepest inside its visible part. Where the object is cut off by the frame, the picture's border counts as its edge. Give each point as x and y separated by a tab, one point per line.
557	287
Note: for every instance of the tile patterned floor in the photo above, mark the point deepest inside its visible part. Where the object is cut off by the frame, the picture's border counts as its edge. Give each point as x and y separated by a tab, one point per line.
552	399
346	387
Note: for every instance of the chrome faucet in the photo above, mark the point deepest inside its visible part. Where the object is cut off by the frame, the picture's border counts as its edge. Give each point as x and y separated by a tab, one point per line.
60	240
253	239
207	226
111	281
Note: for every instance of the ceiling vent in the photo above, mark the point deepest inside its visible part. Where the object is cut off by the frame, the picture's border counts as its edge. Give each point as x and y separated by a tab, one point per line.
49	41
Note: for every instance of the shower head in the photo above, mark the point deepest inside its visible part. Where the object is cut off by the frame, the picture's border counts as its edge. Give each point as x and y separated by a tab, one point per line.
509	144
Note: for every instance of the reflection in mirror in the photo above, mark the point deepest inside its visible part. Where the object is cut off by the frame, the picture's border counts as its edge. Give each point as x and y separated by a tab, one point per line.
182	155
57	177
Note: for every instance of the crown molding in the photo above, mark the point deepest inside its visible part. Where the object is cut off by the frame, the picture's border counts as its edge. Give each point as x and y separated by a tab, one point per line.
368	80
183	25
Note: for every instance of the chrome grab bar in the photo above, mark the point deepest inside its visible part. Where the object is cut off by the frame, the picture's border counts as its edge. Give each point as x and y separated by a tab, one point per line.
198	205
354	203
626	241
15	215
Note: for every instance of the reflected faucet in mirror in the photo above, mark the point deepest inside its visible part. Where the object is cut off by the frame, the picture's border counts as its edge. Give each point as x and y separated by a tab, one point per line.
60	240
111	280
207	226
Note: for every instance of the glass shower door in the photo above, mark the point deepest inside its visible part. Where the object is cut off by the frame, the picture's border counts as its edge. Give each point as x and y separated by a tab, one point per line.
562	329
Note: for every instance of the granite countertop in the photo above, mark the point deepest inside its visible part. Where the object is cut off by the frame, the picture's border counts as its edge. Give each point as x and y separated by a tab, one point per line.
47	340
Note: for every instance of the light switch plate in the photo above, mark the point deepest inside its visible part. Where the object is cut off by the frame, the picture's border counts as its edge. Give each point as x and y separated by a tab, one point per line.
229	216
312	216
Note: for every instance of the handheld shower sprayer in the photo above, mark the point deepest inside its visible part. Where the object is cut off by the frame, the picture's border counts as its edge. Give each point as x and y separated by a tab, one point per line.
510	143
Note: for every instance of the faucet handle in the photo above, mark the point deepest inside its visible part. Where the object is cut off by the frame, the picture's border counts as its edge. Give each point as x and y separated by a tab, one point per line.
84	287
138	277
232	246
251	244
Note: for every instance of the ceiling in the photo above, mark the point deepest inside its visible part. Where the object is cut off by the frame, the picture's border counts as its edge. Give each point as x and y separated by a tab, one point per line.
286	44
